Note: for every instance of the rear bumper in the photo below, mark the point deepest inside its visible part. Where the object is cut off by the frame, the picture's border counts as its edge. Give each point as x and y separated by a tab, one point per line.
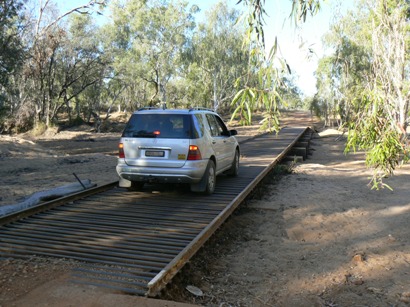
191	172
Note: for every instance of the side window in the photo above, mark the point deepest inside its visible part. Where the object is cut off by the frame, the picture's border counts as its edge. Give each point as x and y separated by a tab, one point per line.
215	125
221	125
198	124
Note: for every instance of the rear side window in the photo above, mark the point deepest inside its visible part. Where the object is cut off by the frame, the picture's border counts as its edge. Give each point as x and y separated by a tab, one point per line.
176	126
216	125
198	125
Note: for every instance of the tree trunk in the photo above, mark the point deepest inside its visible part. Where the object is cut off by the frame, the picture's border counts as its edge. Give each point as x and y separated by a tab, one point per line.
216	104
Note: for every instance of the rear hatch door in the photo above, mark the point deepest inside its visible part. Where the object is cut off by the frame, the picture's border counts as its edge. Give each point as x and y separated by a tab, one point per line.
157	140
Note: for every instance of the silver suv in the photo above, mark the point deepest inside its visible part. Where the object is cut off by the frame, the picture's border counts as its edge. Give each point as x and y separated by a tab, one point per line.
176	146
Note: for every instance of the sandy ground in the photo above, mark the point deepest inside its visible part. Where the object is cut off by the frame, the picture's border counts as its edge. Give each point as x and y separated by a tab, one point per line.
316	237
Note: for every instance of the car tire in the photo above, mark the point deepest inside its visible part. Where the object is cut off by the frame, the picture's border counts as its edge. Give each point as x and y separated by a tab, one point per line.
234	170
210	178
136	186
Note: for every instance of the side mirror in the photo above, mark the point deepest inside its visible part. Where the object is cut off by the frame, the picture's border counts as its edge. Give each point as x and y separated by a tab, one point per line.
233	132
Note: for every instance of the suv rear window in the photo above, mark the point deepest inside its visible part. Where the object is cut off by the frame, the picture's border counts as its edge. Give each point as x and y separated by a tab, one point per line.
176	126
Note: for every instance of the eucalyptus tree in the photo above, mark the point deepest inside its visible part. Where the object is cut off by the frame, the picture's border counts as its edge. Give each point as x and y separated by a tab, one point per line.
150	39
11	47
217	53
37	77
323	102
291	93
40	84
348	68
370	69
124	87
12	54
81	68
382	111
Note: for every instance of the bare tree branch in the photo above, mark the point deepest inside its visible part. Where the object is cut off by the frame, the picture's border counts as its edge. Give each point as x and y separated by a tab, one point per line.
76	9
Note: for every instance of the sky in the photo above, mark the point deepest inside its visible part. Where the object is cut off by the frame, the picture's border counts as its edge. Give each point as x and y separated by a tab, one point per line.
293	43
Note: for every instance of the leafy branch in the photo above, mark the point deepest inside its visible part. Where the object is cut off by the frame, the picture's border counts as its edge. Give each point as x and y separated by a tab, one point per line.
259	89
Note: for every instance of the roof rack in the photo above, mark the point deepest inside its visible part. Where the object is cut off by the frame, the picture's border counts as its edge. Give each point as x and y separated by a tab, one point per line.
148	108
162	106
201	108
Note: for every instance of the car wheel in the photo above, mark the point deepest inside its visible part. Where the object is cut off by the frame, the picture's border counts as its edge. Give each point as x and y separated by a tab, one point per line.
136	186
210	178
234	170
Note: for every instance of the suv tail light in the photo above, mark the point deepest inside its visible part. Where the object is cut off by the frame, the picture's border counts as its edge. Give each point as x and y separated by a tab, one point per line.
194	153
121	150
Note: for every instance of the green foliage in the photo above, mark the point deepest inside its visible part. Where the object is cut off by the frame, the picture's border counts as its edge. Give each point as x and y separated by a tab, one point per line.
340	76
249	99
263	86
148	41
11	46
218	57
364	84
284	169
370	130
291	94
302	8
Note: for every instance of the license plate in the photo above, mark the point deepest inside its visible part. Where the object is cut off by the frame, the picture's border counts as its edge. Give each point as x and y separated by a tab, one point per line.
154	153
